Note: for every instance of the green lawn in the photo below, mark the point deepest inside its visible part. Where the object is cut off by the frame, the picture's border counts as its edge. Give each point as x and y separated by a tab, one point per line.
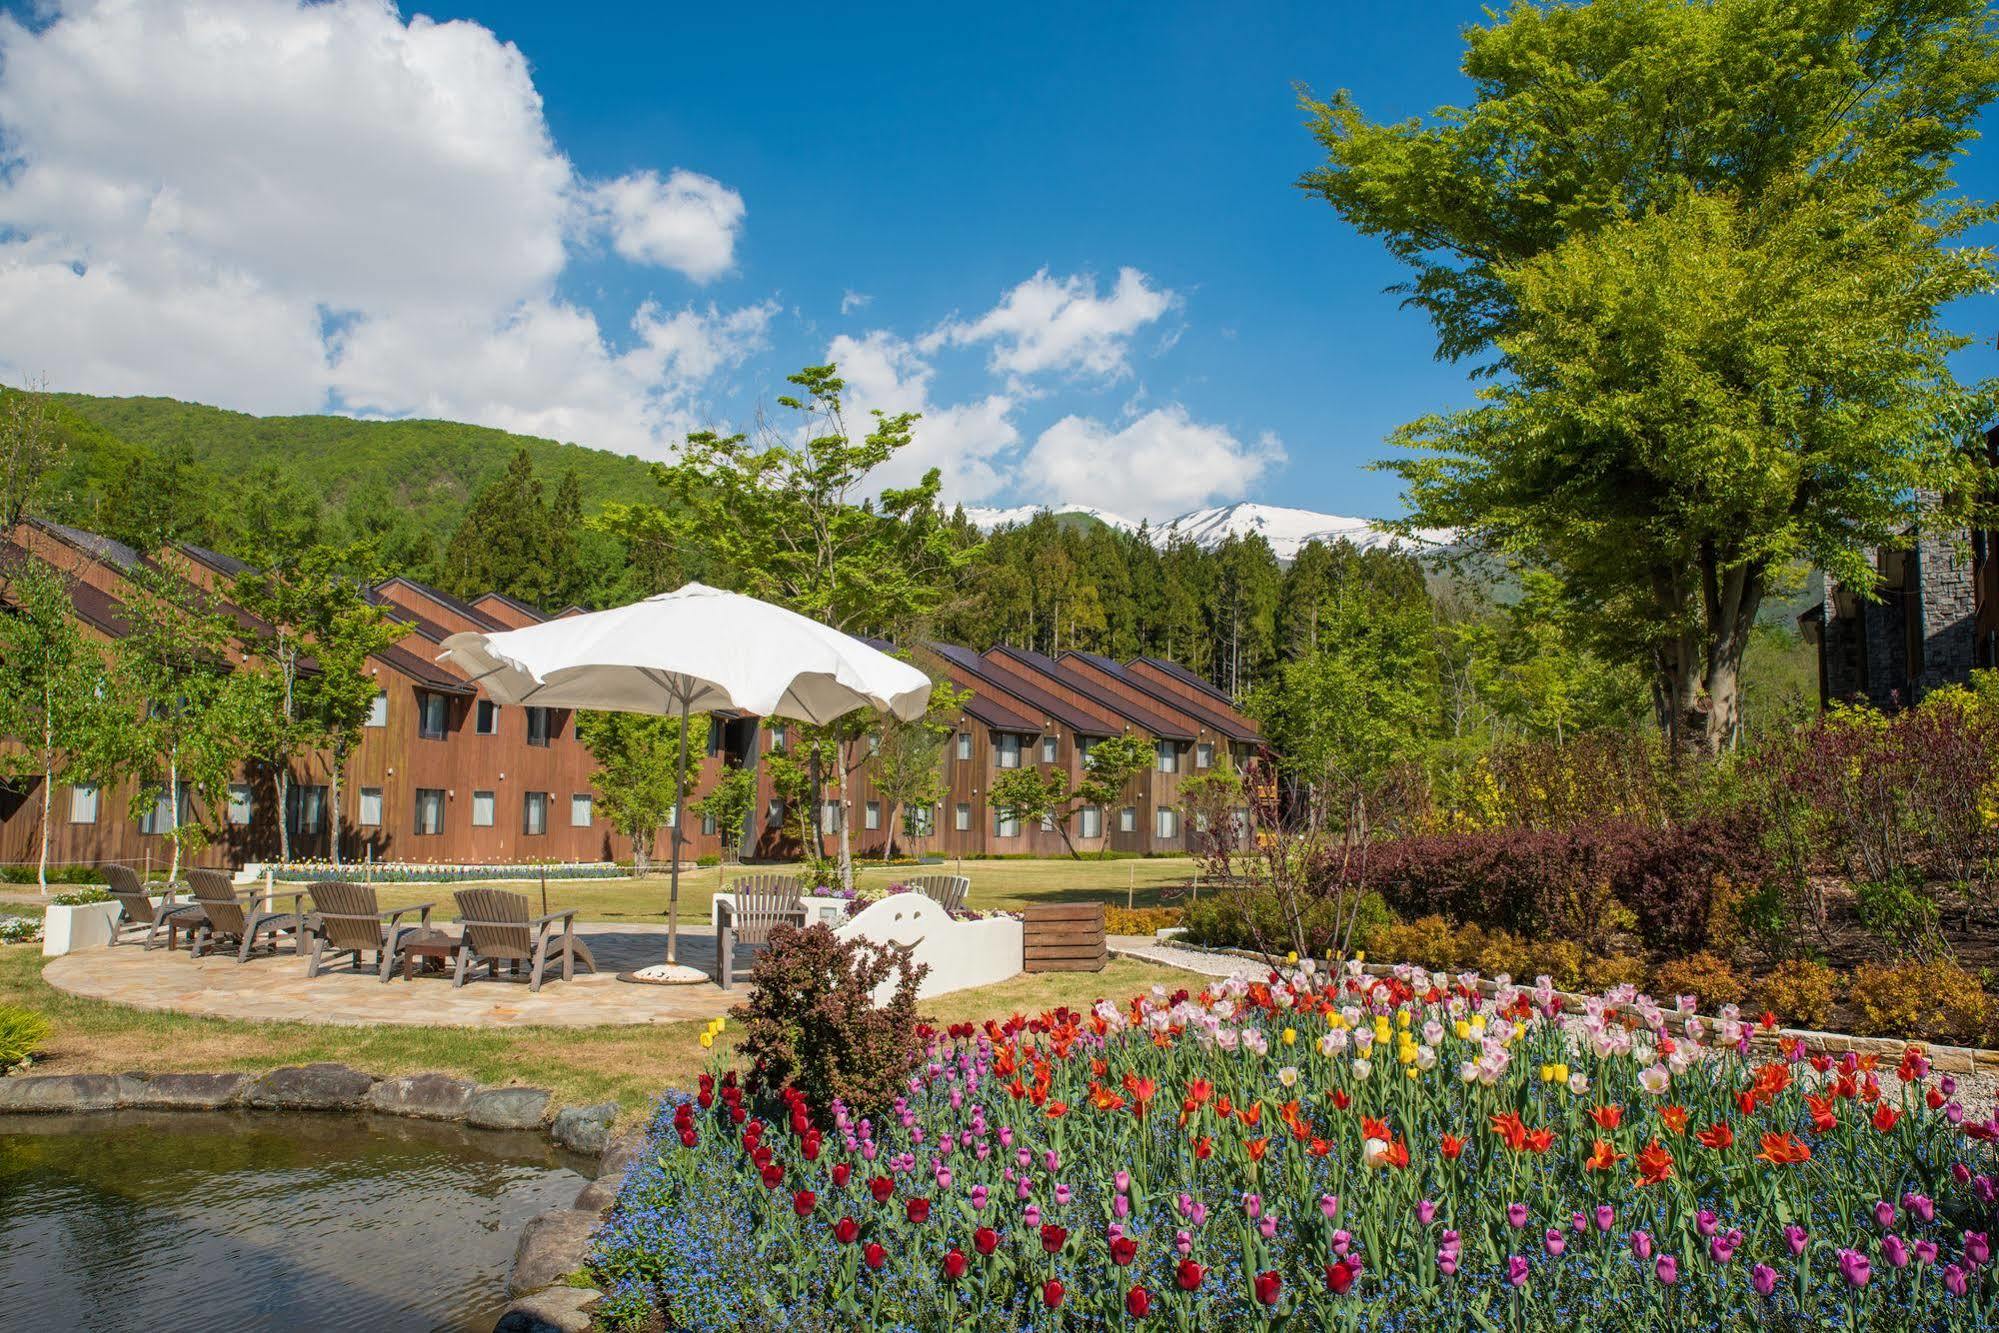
995	884
629	1065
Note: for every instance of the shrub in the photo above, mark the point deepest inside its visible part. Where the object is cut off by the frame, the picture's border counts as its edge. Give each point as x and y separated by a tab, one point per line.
707	861
1603	971
812	1021
80	898
1710	976
1798	990
1924	1001
22	1032
1899	910
1140	920
84	874
1253	917
20	929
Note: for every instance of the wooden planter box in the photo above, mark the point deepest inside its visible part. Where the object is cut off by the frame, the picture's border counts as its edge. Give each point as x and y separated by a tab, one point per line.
1064	937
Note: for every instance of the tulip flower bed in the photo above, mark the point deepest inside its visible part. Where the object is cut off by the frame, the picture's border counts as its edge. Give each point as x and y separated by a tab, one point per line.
1325	1151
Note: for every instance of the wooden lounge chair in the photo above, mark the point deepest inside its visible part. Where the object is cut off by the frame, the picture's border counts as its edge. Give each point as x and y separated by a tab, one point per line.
230	916
948	890
499	930
347	918
762	902
138	912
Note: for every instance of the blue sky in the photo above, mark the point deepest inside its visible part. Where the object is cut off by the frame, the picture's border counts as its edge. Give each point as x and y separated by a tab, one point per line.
1068	234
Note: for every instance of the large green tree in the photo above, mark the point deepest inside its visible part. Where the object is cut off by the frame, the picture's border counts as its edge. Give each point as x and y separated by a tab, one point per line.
638	773
1704	250
908	758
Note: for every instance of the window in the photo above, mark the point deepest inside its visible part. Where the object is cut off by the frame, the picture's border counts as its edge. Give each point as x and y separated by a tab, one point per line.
1167	822
964	745
777	735
964	818
1090	822
537	726
1005	825
305	809
874	814
1239	821
83	803
1127	820
1047	823
1084	745
489	718
161	818
1169	757
714	735
774	813
829	817
482	809
874	742
708	825
429	811
919	821
1048	749
1009	750
378	710
239	803
1204	755
371	807
434	713
580	810
534	813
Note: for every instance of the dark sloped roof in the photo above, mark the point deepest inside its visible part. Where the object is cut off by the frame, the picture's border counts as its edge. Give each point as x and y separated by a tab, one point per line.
530	612
1021	688
985	708
1214	718
1143	718
458	604
228	566
402	615
1185	677
103	548
430	675
93	606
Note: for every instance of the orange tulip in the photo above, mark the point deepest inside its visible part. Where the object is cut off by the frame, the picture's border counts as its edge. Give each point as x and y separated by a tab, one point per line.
1655	1164
1602	1156
1784	1150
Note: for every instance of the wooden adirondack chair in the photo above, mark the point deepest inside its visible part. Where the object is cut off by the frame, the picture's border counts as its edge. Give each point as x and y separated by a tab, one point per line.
239	918
347	918
499	930
762	902
136	909
947	890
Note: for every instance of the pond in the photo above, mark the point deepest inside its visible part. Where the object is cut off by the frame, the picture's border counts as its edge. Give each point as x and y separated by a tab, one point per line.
147	1220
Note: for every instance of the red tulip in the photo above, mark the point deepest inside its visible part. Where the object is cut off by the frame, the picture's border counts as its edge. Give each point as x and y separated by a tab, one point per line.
846	1231
1189	1274
1123	1251
1339	1277
882	1188
841	1173
1053	1237
773	1175
1269	1287
1051	1293
917	1211
985	1240
1138	1302
874	1256
1885	1117
803	1201
954	1264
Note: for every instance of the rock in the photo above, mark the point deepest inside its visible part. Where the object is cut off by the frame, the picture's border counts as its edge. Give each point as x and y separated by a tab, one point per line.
552	1247
585	1129
423	1096
55	1093
556	1310
320	1087
622	1155
182	1092
507	1108
599	1194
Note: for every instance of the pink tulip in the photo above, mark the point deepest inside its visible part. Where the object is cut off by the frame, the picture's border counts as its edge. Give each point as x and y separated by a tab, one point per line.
1668	1269
1884	1213
1853	1266
1516	1214
1763	1278
1426	1212
1554	1241
1606	1217
1516	1270
1795	1238
1641	1245
1895	1250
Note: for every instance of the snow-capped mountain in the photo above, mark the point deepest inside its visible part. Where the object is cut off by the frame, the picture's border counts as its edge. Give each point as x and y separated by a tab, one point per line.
1287	530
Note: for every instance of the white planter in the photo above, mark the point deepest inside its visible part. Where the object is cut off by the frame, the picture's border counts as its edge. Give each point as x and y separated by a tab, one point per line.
67	929
961	954
818	910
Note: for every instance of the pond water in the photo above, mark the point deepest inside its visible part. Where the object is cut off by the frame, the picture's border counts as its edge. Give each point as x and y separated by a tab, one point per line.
143	1220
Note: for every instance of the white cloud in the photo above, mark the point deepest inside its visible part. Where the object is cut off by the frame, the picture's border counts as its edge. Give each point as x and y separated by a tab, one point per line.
964	441
851	300
687	222
276	206
1050	324
1156	466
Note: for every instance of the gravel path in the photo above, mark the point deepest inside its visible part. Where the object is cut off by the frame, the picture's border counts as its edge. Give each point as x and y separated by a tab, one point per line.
1147	949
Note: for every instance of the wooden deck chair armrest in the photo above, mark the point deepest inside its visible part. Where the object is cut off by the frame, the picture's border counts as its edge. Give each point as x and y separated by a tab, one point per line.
388	915
569	915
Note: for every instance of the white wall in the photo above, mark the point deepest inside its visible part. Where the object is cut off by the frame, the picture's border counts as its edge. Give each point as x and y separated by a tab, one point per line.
961	954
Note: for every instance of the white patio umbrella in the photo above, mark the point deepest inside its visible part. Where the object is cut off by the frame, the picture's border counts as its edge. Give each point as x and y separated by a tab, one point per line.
694	650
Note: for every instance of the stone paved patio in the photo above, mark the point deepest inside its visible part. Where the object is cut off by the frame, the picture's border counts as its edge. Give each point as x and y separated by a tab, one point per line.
276	989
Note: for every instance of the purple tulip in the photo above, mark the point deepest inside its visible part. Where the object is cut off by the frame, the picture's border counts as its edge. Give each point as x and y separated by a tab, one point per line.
1853	1266
1031	1216
1450	1241
1926	1251
1268	1226
1641	1245
1884	1213
1342	1242
1977	1248
1924	1207
1554	1241
1895	1250
1983	1191
1123	1182
1668	1269
1794	1237
1947	1085
1955	1280
1062	1194
1578	1222
1763	1278
1121	1205
1516	1214
1253	1205
1516	1270
1447	1262
1606	1217
1721	1249
1706	1222
1960	1173
1329	1204
1426	1212
979	1197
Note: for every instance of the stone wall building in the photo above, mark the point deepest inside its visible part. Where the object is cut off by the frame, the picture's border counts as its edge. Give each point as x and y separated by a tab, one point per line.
1934	620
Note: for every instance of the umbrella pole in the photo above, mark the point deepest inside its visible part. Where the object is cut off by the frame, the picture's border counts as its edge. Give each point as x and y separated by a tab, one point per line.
673	893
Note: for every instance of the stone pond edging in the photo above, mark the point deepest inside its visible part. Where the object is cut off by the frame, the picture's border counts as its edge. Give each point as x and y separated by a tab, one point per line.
552	1246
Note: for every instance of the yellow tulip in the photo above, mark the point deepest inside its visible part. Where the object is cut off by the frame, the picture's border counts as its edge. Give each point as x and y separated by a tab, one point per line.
1413	1072
1402	1018
707	1041
1290	1036
1464	1030
1292	958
